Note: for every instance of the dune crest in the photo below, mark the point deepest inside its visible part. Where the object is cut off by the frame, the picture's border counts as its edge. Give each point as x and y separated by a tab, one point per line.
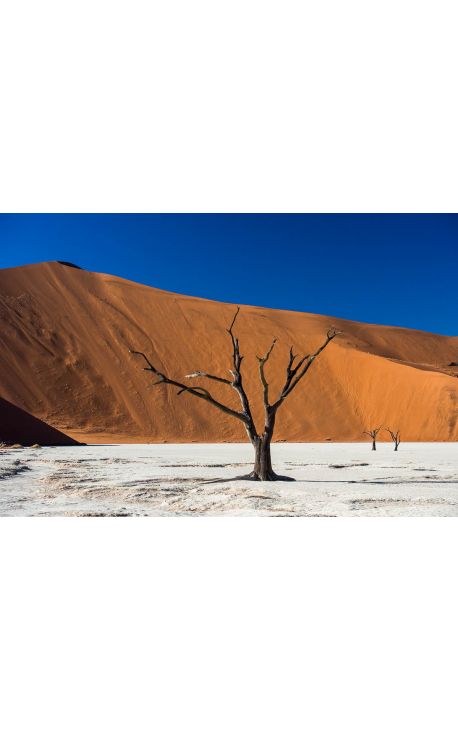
66	333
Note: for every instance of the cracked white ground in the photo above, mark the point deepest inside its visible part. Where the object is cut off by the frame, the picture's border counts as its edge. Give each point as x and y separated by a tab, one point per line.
421	479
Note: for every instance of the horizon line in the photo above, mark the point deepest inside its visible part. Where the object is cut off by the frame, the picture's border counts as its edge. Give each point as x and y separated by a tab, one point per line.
77	267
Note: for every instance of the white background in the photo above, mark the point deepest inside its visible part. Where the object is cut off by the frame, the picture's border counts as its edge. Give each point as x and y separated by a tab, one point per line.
241	106
237	106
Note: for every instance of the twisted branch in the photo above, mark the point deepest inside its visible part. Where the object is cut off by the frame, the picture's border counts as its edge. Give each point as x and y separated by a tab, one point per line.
196	391
294	374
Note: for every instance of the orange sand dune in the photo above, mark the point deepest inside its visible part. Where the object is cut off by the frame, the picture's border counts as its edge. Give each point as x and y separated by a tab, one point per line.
66	333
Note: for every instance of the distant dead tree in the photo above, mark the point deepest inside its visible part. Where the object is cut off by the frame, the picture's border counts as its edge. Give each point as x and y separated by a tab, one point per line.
395	437
295	371
373	433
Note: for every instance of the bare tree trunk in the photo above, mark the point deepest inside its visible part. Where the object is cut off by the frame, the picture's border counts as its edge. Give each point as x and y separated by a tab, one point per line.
373	433
396	446
262	470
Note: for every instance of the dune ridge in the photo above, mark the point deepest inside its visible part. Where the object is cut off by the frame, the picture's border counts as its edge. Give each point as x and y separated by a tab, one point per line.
66	333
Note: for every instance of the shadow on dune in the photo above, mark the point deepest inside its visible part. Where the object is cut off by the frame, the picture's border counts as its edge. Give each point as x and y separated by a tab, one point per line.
18	426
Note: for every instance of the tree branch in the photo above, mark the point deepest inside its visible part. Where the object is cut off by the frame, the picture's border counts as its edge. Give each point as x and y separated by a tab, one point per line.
265	384
395	435
294	374
201	374
245	416
196	391
237	383
373	433
233	321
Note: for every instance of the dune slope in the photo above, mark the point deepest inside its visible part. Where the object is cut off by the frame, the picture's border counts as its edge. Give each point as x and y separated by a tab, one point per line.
66	333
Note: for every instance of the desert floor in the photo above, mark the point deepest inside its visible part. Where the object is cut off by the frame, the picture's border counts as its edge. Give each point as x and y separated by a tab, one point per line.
201	479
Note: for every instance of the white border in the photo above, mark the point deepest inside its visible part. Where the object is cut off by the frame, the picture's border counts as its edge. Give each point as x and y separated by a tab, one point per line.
250	106
219	622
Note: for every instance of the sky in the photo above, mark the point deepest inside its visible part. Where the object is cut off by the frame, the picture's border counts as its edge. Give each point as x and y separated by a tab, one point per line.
382	268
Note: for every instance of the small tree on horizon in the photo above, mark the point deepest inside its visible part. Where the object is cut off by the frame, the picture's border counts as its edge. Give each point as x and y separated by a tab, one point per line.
373	433
395	437
295	371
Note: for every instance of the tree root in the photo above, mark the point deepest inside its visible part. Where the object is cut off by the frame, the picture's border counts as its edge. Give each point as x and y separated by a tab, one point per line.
270	477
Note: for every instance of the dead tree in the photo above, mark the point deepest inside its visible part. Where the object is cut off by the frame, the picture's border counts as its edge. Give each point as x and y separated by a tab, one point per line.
296	369
395	437
373	433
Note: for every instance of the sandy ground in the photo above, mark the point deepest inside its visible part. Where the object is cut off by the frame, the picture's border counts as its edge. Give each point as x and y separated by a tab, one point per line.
200	479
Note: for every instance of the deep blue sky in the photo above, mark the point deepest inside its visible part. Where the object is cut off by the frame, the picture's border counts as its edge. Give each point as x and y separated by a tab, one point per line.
387	269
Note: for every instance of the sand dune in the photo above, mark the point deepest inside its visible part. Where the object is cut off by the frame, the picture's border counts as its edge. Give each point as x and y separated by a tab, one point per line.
66	334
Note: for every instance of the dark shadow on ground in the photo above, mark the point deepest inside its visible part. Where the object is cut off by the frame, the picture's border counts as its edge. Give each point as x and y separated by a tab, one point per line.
20	427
